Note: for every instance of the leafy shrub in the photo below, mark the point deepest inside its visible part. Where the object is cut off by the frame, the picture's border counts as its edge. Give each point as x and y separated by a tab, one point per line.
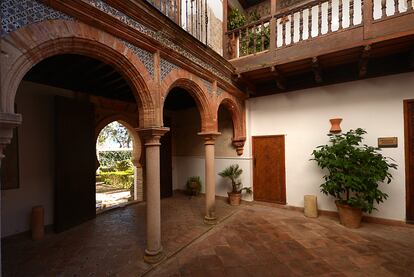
123	165
110	158
193	185
119	179
235	19
355	170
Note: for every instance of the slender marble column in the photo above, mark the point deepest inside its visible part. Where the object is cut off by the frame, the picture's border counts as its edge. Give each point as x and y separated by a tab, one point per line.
209	140
151	137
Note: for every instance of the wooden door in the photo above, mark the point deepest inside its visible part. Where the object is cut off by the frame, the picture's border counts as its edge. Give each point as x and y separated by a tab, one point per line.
269	180
166	189
74	163
409	158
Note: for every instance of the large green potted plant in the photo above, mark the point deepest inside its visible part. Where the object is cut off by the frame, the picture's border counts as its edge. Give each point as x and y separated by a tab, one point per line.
355	171
193	186
233	173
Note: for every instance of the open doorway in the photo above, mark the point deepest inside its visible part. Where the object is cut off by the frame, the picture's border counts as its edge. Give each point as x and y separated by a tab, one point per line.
115	174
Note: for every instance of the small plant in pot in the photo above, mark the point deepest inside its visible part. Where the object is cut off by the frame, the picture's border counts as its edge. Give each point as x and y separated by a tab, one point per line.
233	173
193	185
355	171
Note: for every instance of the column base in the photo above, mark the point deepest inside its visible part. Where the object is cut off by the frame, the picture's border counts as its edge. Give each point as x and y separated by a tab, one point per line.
152	257
209	220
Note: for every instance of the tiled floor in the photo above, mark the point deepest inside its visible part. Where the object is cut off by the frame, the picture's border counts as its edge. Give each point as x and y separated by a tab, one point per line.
111	245
265	241
254	241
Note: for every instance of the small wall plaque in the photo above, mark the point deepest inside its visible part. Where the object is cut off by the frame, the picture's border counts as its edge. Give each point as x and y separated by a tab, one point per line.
388	142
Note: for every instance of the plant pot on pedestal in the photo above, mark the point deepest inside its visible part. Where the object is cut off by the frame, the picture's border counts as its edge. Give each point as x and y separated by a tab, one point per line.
349	216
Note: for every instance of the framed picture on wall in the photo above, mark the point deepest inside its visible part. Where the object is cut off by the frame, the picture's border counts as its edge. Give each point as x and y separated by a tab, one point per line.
10	174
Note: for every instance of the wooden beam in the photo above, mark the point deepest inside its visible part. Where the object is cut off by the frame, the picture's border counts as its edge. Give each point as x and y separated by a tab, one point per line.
363	61
244	81
411	60
280	80
317	72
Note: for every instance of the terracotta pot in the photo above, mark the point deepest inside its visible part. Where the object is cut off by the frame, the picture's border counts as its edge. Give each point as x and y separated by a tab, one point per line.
336	125
37	223
349	216
234	198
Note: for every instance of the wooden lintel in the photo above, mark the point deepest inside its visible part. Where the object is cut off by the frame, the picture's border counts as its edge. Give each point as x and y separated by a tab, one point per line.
317	72
363	61
243	80
280	80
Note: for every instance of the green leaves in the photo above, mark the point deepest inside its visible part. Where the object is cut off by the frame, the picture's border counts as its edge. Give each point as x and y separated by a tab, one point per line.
355	170
233	172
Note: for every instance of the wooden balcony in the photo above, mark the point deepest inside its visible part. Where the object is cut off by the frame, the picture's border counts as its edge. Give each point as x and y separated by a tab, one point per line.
322	42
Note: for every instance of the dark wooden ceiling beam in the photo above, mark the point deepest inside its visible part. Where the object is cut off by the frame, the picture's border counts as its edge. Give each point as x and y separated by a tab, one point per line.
244	81
317	71
411	59
363	61
280	80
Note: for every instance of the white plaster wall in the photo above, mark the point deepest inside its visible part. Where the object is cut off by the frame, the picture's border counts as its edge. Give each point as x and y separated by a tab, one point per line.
36	152
303	116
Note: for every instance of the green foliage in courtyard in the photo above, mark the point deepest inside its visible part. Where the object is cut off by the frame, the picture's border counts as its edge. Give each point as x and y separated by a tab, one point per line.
193	185
233	173
110	158
355	170
118	179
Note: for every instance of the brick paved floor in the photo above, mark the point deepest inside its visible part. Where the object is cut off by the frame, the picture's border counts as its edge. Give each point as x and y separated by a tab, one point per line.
110	245
266	241
254	241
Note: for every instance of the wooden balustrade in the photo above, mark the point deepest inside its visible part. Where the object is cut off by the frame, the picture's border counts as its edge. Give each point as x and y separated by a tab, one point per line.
191	15
308	21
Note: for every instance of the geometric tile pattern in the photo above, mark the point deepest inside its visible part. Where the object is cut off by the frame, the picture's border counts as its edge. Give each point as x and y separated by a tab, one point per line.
209	86
146	57
166	68
219	91
19	13
101	5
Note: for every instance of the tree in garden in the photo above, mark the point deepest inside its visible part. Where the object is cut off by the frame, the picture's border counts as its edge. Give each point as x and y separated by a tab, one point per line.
115	132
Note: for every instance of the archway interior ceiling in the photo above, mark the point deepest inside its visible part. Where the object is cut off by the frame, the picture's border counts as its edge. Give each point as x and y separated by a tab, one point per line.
81	74
179	99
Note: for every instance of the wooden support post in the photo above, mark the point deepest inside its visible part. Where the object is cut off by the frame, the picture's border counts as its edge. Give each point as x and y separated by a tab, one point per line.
317	72
280	81
363	61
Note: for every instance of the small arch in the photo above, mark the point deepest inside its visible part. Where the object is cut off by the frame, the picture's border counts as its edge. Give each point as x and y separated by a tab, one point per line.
183	79
39	41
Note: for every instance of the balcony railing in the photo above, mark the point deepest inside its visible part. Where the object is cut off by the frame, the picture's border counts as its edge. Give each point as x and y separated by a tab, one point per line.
191	15
310	20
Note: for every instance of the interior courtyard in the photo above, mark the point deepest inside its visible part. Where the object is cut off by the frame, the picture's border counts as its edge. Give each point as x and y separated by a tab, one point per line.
207	138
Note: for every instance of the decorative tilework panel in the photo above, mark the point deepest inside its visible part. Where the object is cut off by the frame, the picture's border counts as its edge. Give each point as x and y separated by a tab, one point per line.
19	13
166	68
209	86
219	91
101	5
146	57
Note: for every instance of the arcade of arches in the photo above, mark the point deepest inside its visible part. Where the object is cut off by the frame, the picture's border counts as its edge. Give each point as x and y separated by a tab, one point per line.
59	73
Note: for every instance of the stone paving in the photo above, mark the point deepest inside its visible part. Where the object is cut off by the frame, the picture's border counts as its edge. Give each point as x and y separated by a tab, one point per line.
251	240
266	241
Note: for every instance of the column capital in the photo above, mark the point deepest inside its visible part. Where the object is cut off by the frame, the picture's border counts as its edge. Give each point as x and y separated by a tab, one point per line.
209	137
152	135
8	121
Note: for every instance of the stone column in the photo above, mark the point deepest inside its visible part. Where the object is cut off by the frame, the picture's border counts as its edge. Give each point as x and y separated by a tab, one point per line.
209	140
7	123
151	138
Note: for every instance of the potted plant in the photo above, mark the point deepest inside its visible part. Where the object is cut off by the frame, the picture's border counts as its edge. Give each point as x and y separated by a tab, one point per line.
233	172
193	185
355	171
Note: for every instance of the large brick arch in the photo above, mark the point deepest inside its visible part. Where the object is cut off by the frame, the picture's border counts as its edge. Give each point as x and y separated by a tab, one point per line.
196	88
25	47
236	109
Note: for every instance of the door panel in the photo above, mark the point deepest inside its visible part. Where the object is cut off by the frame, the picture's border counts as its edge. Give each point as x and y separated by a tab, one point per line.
74	163
269	181
166	161
409	155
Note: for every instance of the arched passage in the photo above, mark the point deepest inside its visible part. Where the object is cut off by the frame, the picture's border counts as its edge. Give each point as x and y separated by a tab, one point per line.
29	45
114	139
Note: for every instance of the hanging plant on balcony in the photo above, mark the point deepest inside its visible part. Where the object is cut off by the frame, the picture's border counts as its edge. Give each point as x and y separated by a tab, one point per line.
235	19
355	171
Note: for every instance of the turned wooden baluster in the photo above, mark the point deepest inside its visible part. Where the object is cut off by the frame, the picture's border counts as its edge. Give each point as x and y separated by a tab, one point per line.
383	8
409	5
254	39
340	8
396	7
319	19
292	28
351	13
329	15
262	37
310	23
283	22
300	25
